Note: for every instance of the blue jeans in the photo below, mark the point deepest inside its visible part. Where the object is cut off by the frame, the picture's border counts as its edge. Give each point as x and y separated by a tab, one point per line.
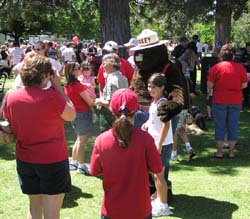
140	117
174	121
226	118
166	156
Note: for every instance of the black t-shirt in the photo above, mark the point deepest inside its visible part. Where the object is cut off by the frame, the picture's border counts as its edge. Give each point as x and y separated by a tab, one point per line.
178	51
4	55
245	57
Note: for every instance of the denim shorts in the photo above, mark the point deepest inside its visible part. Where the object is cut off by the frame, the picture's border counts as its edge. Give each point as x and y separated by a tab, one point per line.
50	179
174	122
83	124
166	154
226	118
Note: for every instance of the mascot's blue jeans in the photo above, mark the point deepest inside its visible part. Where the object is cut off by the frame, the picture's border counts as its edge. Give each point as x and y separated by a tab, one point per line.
140	117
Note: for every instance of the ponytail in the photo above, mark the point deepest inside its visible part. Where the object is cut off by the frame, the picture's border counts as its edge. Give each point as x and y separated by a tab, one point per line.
123	129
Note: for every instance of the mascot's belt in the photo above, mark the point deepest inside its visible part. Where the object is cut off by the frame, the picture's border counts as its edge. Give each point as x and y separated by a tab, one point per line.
143	107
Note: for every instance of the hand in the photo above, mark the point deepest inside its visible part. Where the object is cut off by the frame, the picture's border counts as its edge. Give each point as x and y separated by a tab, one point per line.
98	103
159	147
144	127
56	80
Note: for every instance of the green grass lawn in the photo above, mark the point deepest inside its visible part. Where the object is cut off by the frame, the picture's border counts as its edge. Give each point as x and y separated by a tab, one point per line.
204	188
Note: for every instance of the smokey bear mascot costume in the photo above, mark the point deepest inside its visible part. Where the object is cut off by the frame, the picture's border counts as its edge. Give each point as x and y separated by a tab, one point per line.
151	56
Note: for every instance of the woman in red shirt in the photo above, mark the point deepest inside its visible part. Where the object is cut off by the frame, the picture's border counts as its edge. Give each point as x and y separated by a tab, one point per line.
83	124
37	115
124	155
227	78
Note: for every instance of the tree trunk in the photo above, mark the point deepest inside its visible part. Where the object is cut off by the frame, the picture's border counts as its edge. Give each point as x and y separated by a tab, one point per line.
223	16
114	20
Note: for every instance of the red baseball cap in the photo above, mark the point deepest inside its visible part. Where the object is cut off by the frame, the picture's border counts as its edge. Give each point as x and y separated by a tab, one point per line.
124	98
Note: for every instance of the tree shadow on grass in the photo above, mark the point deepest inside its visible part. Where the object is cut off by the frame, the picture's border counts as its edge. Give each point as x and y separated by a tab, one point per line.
223	166
70	199
197	207
7	152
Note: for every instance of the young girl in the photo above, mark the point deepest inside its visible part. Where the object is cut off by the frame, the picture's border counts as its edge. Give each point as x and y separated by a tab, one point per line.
82	125
163	137
124	160
87	78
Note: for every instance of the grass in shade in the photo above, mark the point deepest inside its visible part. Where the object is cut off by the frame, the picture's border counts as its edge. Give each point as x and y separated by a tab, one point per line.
204	188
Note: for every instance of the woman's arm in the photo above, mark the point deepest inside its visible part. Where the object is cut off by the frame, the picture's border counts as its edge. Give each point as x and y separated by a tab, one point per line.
69	112
183	67
87	98
162	135
210	84
244	85
102	102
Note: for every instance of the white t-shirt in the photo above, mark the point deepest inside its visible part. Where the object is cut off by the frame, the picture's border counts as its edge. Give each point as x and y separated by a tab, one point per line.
132	61
68	54
154	124
199	47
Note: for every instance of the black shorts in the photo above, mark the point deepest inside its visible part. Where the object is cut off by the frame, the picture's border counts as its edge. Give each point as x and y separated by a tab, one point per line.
50	179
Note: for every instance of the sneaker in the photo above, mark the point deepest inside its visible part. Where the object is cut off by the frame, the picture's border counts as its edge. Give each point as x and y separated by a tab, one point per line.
174	157
191	154
154	202
160	210
73	166
83	170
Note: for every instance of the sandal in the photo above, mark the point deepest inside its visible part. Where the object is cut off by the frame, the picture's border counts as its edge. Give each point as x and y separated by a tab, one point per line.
231	156
217	156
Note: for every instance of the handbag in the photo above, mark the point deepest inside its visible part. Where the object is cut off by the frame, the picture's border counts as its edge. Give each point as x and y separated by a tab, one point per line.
6	134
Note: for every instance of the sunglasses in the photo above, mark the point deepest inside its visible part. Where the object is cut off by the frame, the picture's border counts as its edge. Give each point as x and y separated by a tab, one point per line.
37	49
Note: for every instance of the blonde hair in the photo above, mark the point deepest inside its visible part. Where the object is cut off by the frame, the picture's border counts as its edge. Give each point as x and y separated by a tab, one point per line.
35	67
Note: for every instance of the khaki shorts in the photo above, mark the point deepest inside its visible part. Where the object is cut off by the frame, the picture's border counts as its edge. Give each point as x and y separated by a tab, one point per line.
181	118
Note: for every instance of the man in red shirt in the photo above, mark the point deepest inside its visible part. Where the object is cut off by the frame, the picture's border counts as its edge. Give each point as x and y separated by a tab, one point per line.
126	69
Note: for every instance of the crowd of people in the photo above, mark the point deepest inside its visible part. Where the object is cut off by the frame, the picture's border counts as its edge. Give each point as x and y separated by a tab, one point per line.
97	83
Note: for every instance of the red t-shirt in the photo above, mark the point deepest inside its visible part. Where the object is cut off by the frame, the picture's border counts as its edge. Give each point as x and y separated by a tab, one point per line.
73	92
126	70
227	77
34	115
125	173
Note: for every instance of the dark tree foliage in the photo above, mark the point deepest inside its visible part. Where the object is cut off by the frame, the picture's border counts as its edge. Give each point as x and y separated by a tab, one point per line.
179	15
20	17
